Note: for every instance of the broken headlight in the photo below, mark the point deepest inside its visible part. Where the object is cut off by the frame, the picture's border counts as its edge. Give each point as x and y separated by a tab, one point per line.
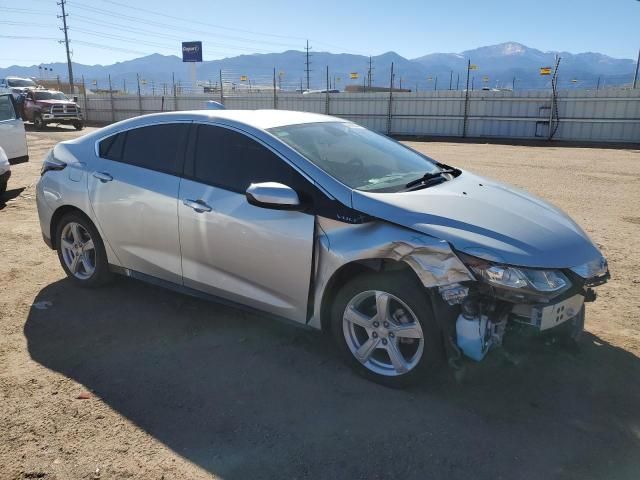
517	278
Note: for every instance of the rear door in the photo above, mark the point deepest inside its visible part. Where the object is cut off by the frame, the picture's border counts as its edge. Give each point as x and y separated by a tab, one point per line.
13	138
230	248
133	189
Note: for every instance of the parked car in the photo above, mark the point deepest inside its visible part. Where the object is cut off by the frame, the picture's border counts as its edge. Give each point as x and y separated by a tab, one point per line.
49	106
322	222
13	138
5	171
17	86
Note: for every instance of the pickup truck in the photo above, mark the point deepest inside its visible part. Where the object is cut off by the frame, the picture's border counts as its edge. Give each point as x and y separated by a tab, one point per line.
17	86
49	106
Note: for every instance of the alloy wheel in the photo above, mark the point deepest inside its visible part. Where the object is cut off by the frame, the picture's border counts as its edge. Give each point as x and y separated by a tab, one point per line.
78	250
383	333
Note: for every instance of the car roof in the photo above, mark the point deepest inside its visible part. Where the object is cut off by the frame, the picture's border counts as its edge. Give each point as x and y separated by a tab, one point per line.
261	119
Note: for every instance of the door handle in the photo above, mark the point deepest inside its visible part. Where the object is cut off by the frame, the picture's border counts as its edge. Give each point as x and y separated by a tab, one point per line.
104	177
198	205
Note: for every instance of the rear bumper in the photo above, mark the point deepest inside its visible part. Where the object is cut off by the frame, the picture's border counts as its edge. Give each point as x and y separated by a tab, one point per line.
16	160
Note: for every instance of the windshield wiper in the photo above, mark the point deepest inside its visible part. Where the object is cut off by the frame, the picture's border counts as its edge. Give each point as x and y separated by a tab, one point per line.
429	176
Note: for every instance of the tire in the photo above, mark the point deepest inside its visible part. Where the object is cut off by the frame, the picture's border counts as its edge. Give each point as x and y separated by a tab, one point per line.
81	251
410	316
3	187
78	125
38	122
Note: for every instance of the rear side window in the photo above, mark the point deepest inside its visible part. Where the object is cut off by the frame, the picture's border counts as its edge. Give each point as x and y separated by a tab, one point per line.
156	147
232	160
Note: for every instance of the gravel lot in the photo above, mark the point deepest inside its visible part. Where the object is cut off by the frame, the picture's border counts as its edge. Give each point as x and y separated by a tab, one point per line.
181	388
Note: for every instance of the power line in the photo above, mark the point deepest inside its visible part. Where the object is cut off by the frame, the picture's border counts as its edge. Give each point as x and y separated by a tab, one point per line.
191	20
166	26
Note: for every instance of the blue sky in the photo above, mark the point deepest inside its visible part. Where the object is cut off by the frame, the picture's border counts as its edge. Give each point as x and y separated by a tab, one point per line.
105	31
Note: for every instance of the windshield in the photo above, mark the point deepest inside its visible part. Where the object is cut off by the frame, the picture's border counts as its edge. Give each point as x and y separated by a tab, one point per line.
50	96
357	157
19	82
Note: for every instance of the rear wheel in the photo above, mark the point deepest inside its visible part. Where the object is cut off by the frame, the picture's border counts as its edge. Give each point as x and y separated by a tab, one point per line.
81	251
3	187
38	122
385	329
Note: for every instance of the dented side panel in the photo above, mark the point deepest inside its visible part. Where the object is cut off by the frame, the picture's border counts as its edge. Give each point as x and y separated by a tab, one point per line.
338	244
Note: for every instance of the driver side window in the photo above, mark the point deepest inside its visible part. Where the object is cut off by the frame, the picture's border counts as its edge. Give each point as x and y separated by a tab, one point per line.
231	160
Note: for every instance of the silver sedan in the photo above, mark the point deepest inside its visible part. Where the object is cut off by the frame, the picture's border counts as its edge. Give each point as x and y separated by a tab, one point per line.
316	220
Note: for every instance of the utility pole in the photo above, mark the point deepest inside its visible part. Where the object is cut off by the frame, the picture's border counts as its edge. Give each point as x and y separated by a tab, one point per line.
458	82
451	80
635	77
435	84
466	101
598	86
307	63
66	42
370	72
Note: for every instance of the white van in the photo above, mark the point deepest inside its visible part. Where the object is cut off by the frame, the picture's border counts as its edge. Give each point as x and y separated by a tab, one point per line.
13	139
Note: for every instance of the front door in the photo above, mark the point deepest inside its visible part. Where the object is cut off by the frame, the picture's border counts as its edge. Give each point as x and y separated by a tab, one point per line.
133	187
254	256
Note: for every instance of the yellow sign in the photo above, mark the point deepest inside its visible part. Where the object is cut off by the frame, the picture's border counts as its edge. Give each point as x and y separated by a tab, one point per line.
473	67
243	78
545	71
353	75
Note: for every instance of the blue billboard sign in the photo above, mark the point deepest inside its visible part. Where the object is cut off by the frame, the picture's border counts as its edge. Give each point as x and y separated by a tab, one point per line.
191	51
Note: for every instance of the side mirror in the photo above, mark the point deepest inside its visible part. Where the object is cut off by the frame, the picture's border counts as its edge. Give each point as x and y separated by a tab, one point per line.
273	195
75	99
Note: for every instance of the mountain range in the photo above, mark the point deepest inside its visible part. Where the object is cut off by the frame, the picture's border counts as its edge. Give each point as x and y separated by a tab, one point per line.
497	66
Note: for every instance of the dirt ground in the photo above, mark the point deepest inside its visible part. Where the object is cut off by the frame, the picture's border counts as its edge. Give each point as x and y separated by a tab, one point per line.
180	388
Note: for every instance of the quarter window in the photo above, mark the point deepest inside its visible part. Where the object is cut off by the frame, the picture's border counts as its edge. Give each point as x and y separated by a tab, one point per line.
156	147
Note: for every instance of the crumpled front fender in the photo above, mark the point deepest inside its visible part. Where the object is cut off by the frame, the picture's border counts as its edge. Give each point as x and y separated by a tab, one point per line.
338	244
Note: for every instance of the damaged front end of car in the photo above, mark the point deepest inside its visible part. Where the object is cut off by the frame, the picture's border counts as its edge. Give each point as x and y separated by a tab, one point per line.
474	300
504	295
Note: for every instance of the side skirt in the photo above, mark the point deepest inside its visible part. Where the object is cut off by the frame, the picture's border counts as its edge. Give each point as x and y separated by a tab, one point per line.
158	282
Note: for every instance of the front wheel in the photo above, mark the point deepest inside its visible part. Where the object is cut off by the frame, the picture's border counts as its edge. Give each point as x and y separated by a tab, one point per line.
81	251
385	329
38	122
78	125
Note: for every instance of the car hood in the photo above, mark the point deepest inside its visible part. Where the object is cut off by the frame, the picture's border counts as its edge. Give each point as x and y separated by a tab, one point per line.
488	220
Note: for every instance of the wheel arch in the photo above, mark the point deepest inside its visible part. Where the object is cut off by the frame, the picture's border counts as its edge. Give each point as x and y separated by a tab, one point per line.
57	216
352	269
